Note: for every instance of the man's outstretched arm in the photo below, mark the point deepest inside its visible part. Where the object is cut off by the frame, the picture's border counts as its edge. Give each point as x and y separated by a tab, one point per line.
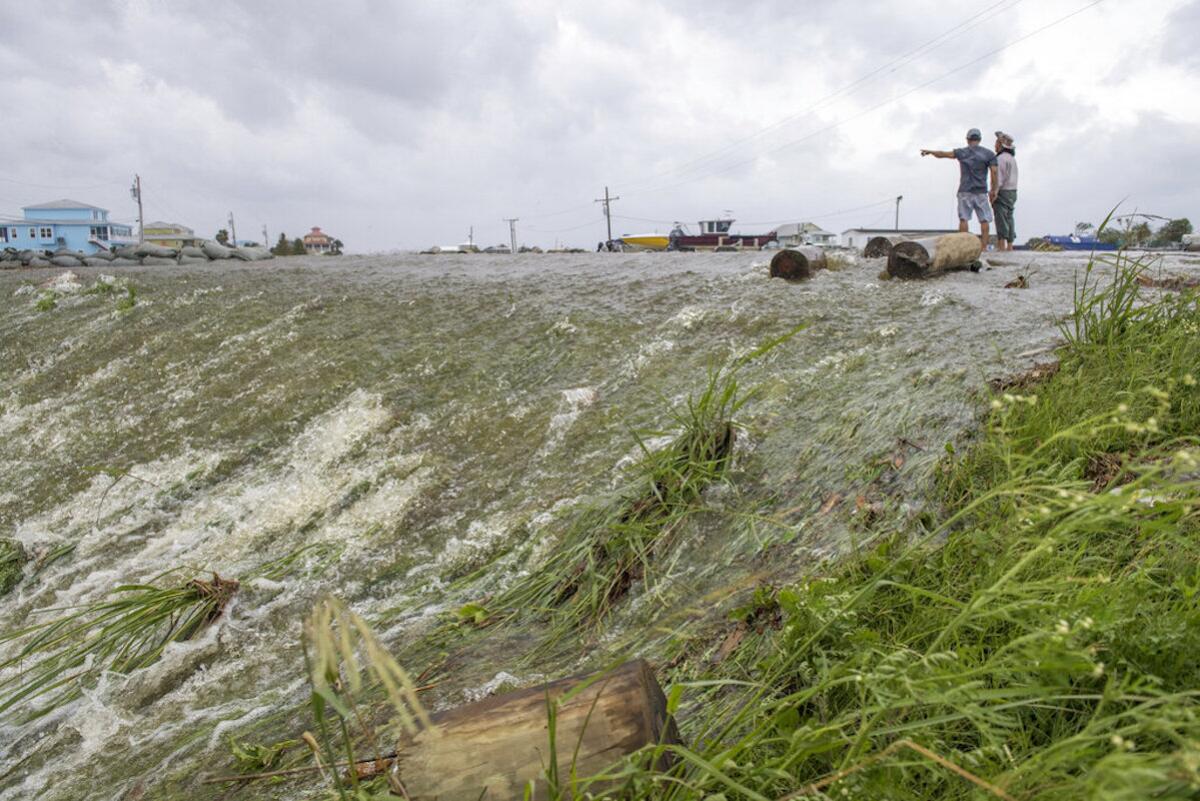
939	154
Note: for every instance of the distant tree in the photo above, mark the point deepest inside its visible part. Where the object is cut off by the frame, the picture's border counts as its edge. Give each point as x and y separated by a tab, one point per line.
337	247
298	247
1172	232
222	237
282	247
1111	236
1138	235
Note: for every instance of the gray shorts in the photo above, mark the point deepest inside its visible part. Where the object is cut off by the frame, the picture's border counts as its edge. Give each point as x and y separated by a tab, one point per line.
977	202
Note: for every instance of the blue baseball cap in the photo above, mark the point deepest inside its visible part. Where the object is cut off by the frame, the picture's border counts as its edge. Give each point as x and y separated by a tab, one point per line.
974	134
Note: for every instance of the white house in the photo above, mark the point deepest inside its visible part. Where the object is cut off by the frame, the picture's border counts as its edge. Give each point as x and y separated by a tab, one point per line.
804	233
858	237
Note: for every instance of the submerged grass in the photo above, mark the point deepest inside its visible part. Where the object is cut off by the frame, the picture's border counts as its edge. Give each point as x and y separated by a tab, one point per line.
611	546
127	631
1038	642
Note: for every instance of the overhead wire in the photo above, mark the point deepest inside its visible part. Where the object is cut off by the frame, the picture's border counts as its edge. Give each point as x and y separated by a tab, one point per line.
893	64
882	104
1003	6
875	107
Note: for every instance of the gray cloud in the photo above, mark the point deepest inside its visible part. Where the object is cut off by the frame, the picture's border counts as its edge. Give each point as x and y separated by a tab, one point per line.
401	124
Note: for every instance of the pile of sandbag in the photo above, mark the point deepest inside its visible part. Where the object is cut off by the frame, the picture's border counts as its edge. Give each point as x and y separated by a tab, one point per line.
130	256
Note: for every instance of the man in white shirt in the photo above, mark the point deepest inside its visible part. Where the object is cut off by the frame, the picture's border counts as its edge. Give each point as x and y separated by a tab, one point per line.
1004	191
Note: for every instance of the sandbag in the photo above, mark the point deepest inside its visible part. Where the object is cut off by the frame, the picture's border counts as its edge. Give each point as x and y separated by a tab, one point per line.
880	247
66	261
925	258
38	262
192	252
241	254
96	261
216	251
156	251
193	260
796	264
126	252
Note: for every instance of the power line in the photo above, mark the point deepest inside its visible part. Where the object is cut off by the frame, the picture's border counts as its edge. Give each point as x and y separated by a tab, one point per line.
890	66
58	186
846	89
877	106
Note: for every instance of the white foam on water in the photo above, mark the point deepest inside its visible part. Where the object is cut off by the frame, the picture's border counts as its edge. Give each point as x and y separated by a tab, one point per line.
501	679
646	354
687	318
571	405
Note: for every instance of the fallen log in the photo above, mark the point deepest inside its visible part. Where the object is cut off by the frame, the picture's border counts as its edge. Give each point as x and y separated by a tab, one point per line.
880	247
925	258
492	748
796	264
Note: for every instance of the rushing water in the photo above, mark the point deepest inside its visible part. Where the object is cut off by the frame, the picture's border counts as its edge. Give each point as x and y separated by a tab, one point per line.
413	418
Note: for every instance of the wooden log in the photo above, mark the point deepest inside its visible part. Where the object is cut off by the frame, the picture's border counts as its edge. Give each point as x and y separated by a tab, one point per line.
796	264
925	258
490	749
880	247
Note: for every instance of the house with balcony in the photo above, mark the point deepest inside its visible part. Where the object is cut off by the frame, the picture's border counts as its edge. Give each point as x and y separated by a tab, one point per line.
318	242
65	224
170	235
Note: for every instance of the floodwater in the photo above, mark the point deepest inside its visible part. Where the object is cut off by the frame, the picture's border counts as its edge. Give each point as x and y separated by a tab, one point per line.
416	418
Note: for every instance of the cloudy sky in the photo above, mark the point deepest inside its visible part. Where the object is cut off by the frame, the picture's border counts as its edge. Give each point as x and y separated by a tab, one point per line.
399	124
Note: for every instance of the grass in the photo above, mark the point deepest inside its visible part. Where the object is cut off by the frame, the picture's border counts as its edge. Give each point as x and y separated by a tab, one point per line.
123	633
611	547
1037	641
70	647
342	654
12	564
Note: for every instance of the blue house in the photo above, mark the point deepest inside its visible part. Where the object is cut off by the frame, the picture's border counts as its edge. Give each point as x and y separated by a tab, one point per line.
65	223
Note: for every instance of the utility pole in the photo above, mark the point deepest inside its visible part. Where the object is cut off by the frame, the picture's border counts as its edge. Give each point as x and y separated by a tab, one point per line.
471	235
135	191
607	201
898	199
512	231
232	230
266	242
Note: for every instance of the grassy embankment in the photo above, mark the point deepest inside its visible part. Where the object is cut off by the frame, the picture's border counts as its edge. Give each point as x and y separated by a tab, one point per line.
1040	642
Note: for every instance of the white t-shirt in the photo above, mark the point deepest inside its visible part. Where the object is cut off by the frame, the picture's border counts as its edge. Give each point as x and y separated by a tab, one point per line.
1006	171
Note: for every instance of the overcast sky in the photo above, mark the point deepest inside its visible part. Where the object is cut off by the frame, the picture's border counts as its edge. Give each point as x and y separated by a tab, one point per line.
400	124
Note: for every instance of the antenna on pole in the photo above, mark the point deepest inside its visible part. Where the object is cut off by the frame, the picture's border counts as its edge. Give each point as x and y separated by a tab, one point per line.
135	192
232	230
898	199
512	231
607	201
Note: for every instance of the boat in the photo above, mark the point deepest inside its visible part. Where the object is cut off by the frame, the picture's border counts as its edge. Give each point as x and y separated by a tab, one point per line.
655	241
713	234
716	234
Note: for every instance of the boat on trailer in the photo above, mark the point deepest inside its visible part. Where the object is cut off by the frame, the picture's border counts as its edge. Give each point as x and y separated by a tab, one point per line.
714	235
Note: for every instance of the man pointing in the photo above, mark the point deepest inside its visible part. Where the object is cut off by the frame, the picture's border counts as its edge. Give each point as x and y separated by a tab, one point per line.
976	163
